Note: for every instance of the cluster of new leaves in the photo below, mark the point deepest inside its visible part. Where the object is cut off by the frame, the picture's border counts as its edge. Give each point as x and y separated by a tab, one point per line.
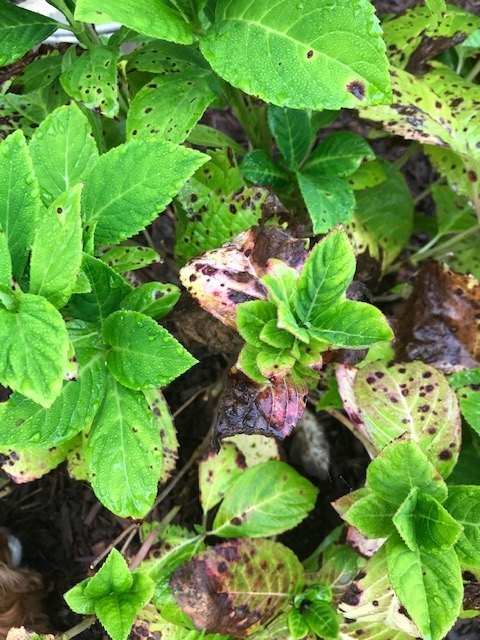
81	347
312	612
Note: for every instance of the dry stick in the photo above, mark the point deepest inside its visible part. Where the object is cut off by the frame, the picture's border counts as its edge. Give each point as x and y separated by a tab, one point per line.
79	628
133	533
118	539
147	545
190	400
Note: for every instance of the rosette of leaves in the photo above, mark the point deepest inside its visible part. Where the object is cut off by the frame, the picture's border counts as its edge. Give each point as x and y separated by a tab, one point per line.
81	348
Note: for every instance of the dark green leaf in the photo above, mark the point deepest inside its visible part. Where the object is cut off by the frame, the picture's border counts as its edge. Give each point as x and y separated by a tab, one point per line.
259	168
329	200
323	620
341	154
292	131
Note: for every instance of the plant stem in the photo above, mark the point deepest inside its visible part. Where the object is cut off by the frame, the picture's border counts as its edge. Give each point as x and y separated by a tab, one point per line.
439	249
354	430
79	628
237	101
474	71
426	192
409	153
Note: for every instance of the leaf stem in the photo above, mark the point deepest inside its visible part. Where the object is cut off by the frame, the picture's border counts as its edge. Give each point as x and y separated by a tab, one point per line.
79	628
474	72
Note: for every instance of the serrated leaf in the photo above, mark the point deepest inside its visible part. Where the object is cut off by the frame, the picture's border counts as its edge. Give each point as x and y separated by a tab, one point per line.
268	507
30	464
329	200
40	72
157	21
341	154
400	467
149	172
470	407
5	261
323	620
352	324
274	363
275	337
165	58
27	425
429	586
279	56
153	299
124	454
169	107
259	168
238	586
168	434
63	150
129	257
252	318
217	472
35	338
367	512
108	290
92	80
463	503
142	354
424	524
325	276
247	364
20	30
20	204
411	398
57	249
292	131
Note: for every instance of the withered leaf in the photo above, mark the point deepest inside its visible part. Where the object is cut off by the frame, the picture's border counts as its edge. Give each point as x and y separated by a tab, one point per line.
248	407
440	321
235	587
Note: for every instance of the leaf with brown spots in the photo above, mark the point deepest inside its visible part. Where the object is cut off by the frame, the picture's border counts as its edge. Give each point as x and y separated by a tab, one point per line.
406	399
271	409
217	472
439	323
238	586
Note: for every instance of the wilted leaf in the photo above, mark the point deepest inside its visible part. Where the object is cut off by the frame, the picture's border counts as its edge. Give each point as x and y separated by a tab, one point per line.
237	586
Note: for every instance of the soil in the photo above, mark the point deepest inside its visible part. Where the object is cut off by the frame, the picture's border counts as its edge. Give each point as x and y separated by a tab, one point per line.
60	523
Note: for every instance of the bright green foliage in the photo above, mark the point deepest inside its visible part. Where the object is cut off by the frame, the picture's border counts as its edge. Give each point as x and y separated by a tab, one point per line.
470	407
5	261
341	154
153	19
323	620
259	168
169	107
429	586
124	452
92	79
129	257
20	204
168	435
20	30
33	334
148	172
292	131
153	299
297	625
312	612
113	594
454	212
62	150
278	53
142	354
265	500
57	249
217	472
165	58
463	503
329	200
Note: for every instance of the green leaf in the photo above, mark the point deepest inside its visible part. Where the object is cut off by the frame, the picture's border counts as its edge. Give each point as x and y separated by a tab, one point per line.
464	378
279	56
92	80
57	250
329	200
454	212
470	407
429	586
400	467
369	174
253	581
35	343
155	20
259	168
247	362
114	594
20	203
341	154
20	30
275	337
323	620
325	276
292	131
142	354
153	299
273	362
252	318
425	525
26	425
352	324
5	261
204	136
409	398
63	150
40	73
147	172
124	454
437	7
169	107
129	257
217	472
463	503
367	512
165	58
277	499
108	290
297	625
168	434
383	220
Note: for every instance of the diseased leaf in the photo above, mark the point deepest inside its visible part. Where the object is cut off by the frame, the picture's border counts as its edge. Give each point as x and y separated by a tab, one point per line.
20	30
463	503
470	407
155	20
63	150
168	434
147	172
278	54
238	586
153	299
217	472
124	454
265	500
270	409
142	354
292	131
30	464
165	58
129	257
